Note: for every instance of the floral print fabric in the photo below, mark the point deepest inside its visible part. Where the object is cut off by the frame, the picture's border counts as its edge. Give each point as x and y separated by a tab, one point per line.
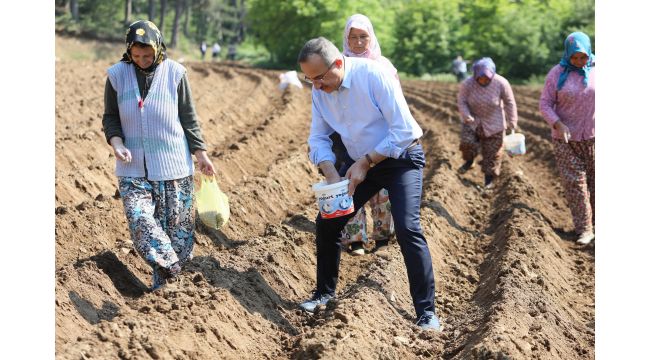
161	220
576	163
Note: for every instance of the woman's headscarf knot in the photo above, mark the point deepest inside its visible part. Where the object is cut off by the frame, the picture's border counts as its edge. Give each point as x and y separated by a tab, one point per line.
576	42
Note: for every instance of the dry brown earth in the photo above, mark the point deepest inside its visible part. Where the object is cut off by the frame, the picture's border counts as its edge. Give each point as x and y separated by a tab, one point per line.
510	283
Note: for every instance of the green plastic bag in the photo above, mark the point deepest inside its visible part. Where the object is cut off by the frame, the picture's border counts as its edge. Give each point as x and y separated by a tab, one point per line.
212	203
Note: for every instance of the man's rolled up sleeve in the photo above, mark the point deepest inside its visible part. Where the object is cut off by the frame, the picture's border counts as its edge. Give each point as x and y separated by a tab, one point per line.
320	144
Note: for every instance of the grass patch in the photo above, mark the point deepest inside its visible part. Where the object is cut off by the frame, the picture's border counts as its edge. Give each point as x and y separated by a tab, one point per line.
439	77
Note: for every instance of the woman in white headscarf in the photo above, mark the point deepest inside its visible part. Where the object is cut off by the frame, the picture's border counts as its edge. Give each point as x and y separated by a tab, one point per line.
359	40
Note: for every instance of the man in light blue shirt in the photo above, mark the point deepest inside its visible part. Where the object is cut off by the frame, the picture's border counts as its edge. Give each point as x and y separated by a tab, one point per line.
365	105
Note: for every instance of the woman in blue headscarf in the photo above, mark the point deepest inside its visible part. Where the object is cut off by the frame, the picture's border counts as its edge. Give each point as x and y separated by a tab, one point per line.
568	104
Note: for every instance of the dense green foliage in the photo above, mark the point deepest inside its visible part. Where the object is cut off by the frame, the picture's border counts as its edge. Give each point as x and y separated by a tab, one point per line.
429	36
421	37
524	37
200	20
284	26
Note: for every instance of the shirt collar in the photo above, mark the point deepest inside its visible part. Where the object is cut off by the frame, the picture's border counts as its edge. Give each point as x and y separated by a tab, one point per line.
347	79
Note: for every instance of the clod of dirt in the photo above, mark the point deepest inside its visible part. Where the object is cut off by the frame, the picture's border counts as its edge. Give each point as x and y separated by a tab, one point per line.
80	186
400	340
83	206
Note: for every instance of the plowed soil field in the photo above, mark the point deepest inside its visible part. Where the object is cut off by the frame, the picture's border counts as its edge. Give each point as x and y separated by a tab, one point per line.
510	282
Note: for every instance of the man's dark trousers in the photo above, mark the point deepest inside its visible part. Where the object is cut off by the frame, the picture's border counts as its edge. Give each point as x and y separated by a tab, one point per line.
402	178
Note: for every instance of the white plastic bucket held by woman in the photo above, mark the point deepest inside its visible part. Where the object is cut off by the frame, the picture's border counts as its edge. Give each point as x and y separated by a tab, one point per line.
515	143
333	199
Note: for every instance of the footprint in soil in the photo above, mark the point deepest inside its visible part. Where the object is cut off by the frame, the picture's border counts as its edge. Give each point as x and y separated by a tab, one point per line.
91	314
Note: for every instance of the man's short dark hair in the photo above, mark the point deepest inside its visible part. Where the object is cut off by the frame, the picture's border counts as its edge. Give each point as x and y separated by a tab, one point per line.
319	46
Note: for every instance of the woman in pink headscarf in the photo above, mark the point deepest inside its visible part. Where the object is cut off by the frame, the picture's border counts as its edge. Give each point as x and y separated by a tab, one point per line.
359	40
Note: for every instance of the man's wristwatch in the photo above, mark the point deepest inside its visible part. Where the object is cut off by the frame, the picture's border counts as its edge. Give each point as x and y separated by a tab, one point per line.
370	162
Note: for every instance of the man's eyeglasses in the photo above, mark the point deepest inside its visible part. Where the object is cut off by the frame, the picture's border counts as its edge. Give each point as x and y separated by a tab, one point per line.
320	77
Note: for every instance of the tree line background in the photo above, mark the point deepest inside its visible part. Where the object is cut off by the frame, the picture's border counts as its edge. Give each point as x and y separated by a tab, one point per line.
421	37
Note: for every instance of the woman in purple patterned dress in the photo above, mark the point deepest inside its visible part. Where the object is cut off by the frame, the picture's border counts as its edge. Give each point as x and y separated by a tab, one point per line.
487	107
568	104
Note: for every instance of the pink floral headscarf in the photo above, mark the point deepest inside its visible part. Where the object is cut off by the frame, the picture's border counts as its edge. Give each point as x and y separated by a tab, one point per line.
359	21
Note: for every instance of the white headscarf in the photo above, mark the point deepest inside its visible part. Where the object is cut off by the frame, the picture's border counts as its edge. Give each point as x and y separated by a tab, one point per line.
359	21
362	22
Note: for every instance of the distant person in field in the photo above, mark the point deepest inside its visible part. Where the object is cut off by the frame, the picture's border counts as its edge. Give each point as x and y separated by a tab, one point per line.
361	101
459	68
152	125
232	51
359	40
487	107
567	104
216	50
204	49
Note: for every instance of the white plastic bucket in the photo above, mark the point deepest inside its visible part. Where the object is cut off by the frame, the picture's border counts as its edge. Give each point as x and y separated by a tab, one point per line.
333	199
515	143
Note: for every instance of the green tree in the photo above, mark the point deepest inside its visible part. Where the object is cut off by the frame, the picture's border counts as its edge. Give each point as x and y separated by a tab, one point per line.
428	32
511	33
178	12
102	18
523	37
576	15
217	20
283	26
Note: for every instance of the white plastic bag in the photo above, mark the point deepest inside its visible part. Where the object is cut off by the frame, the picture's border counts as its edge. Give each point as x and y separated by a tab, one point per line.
289	78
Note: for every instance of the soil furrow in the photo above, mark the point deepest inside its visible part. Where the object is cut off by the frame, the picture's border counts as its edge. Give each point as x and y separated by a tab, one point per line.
509	280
